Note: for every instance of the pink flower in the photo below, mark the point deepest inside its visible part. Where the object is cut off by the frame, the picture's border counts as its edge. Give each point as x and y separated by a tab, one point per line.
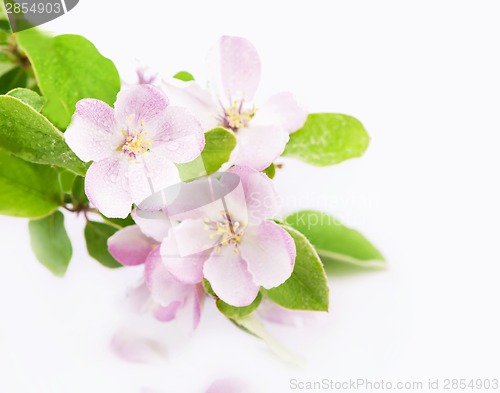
262	132
236	248
134	147
161	293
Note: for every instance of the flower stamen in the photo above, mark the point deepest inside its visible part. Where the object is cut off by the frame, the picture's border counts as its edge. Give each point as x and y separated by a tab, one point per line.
236	116
226	231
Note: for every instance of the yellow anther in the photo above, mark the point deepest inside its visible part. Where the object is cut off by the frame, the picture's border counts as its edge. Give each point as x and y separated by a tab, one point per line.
236	117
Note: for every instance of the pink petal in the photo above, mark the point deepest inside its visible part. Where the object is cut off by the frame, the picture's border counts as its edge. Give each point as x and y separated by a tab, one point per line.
269	252
139	103
236	68
155	172
259	146
134	347
168	313
199	297
229	277
153	224
93	134
165	289
178	135
139	298
283	316
228	386
107	188
130	246
262	201
188	238
199	102
186	269
283	111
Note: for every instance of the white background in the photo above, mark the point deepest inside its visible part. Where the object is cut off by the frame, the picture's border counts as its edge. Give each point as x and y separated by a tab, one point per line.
424	78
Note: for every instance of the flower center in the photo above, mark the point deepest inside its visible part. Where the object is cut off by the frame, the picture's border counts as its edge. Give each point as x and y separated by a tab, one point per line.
227	232
136	142
236	116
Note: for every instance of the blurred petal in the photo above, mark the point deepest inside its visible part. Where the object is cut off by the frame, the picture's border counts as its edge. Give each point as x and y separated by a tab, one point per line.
133	347
187	269
283	316
228	386
153	224
106	186
139	103
168	313
262	201
93	134
139	298
130	246
283	111
199	102
198	300
229	277
235	67
177	135
269	252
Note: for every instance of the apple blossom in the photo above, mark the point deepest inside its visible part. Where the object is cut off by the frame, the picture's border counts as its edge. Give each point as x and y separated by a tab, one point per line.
161	293
134	147
262	132
237	249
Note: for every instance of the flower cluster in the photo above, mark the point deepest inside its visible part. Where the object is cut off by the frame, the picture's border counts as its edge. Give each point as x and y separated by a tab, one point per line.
173	176
236	248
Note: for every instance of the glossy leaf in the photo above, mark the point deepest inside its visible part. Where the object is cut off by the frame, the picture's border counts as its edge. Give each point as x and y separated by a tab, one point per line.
334	242
27	190
29	135
96	236
238	312
219	143
28	97
328	139
68	68
51	243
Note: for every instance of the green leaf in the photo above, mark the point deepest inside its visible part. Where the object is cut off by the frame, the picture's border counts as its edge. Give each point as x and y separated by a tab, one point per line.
307	288
184	76
219	143
28	97
251	325
96	236
29	135
270	171
27	190
66	179
68	68
334	242
15	77
238	312
208	288
51	243
328	139
78	191
4	22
